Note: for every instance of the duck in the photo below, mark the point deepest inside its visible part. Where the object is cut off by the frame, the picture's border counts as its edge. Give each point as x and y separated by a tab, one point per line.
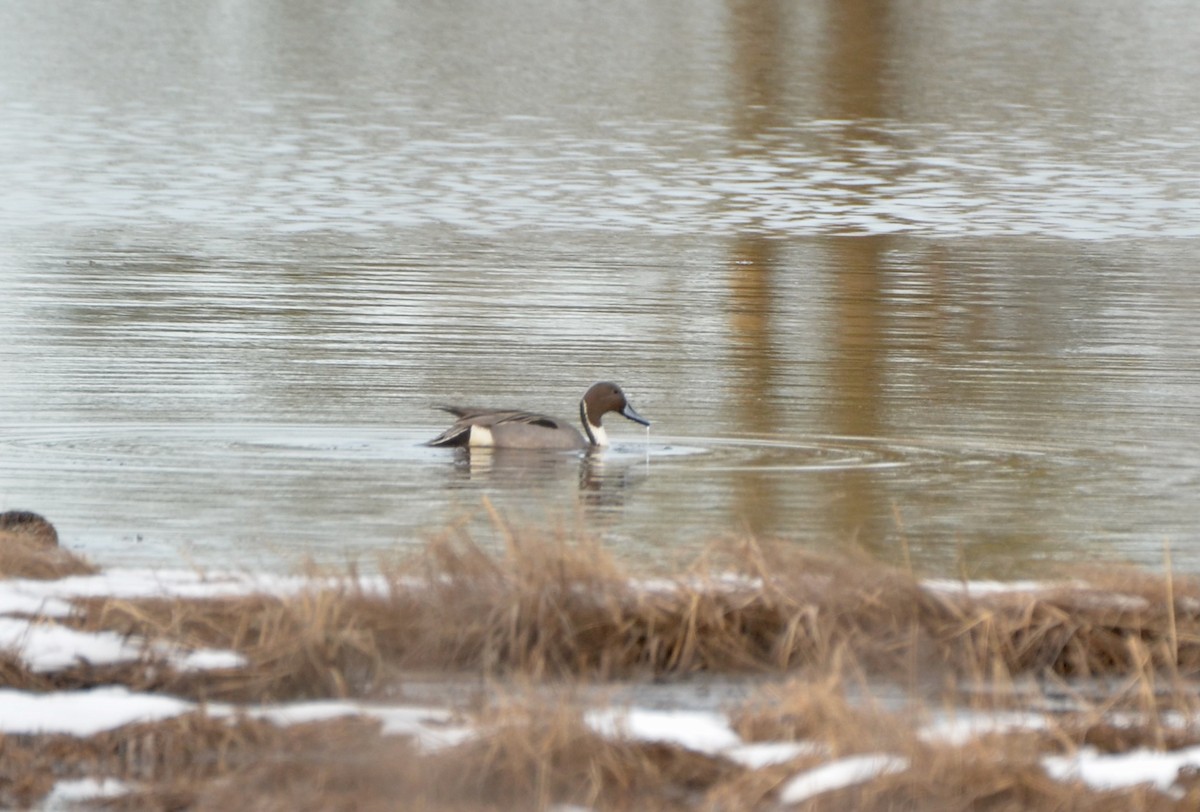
514	428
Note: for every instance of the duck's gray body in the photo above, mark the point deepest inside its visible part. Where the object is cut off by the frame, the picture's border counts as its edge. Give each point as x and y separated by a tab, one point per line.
508	429
514	428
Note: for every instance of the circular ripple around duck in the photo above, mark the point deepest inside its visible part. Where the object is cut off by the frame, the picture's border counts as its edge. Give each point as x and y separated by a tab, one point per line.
139	493
827	453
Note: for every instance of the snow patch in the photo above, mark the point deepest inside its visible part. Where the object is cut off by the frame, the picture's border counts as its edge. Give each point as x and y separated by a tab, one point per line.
1105	771
69	794
83	713
959	730
844	772
50	647
701	731
757	755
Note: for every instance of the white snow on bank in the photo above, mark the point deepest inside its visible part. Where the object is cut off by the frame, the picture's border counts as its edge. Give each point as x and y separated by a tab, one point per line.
706	732
718	582
1105	771
83	713
1079	593
959	729
45	646
756	755
431	728
31	596
844	772
70	794
13	602
701	731
166	583
202	659
978	588
86	713
49	647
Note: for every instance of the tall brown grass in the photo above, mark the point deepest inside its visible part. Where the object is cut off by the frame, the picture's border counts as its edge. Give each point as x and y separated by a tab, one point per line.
545	610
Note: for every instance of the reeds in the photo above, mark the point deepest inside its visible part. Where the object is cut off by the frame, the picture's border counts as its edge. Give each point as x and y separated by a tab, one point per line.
551	608
545	611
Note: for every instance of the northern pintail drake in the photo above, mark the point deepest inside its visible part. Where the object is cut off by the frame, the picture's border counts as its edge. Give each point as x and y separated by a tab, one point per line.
510	428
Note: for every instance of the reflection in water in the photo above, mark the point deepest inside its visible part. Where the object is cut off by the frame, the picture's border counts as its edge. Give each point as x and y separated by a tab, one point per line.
853	84
759	75
603	480
855	92
605	484
756	496
513	468
855	88
856	374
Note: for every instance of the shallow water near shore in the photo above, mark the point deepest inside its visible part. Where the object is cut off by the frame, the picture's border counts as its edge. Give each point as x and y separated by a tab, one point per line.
917	279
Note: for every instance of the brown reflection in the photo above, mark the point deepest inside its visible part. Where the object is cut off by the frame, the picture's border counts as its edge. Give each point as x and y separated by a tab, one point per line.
854	91
855	58
758	35
752	267
858	398
854	71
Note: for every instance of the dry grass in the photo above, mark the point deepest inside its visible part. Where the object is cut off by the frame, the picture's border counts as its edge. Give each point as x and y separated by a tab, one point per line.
533	752
954	782
29	549
991	771
546	610
529	757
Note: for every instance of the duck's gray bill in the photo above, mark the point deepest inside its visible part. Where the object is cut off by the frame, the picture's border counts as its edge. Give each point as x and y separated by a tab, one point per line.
634	416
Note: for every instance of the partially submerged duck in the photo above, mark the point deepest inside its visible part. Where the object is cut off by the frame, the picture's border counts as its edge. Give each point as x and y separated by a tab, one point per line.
512	428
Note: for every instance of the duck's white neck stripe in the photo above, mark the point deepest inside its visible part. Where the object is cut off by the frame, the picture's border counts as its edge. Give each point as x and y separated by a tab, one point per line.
596	434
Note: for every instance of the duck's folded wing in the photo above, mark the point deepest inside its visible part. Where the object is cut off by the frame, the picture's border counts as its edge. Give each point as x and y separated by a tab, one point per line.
467	416
492	417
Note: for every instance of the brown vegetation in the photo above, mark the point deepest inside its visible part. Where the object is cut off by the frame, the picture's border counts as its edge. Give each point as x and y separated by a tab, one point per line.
29	549
546	611
532	753
549	609
30	526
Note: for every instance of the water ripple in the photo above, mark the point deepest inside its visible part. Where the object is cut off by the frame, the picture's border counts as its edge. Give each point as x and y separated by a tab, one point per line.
672	177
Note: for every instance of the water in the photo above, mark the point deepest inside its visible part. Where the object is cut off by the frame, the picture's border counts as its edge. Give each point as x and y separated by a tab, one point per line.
914	276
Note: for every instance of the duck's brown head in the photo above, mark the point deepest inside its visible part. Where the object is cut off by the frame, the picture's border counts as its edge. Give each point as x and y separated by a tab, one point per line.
600	399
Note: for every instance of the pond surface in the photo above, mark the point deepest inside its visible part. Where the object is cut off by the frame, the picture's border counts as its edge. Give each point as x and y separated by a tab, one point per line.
918	277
